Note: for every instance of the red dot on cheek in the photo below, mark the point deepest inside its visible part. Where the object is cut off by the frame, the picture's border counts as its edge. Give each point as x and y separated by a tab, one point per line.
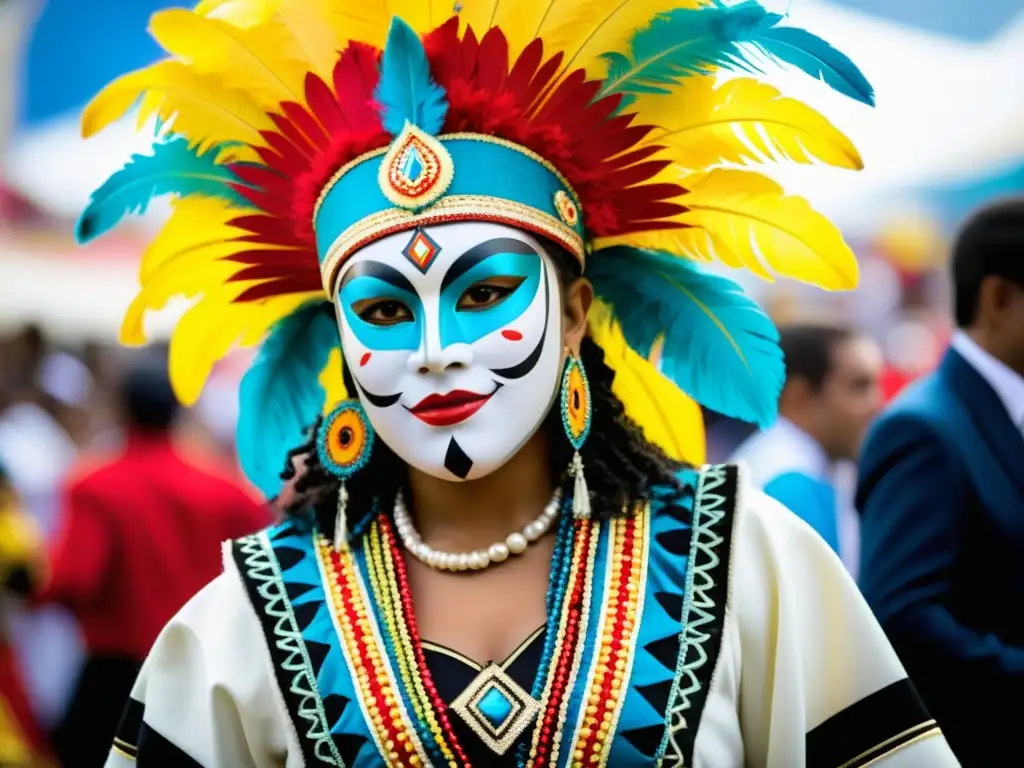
512	335
364	359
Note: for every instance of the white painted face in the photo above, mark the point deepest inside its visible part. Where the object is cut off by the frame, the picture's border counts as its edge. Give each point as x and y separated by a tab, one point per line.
453	337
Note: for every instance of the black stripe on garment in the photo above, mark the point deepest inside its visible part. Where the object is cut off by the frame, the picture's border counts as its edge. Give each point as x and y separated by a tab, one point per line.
157	752
876	725
127	737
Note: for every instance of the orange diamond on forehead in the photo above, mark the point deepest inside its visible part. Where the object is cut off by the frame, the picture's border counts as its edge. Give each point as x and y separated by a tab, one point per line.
421	250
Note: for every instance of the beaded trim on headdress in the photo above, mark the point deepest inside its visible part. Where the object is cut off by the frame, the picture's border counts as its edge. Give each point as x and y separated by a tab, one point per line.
294	134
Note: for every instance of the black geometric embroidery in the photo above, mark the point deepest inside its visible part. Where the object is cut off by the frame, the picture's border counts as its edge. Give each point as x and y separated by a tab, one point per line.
657	694
296	590
676	542
317	655
665	650
711	548
288	557
678	513
334	706
261	576
645	740
348	746
672	603
305	613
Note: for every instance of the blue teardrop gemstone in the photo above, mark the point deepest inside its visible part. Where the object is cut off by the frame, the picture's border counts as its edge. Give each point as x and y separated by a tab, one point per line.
412	165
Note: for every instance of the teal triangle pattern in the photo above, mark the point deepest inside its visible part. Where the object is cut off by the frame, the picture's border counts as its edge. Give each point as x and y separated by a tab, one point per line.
641	723
280	571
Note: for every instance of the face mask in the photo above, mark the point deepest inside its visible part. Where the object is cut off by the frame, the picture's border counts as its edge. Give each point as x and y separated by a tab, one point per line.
453	337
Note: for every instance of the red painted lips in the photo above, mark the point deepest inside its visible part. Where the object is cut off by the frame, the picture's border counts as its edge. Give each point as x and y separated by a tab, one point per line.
446	410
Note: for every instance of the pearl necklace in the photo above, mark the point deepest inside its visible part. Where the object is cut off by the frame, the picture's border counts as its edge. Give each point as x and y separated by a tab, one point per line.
477	560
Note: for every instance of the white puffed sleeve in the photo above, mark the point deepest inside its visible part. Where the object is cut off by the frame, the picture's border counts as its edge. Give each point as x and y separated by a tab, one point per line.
804	665
206	695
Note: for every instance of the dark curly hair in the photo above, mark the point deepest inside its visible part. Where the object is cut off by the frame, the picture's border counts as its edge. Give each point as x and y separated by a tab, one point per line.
621	465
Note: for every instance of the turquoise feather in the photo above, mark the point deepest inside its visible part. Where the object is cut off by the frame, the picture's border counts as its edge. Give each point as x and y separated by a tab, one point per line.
693	41
817	58
173	168
280	396
406	91
719	346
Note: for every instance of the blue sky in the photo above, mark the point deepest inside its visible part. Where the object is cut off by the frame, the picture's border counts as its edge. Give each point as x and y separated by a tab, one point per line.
975	20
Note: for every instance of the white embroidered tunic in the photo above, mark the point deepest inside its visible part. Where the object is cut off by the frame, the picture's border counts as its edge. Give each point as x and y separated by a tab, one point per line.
780	662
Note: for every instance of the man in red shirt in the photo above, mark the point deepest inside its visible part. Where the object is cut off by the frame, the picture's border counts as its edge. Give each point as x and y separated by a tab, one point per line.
141	535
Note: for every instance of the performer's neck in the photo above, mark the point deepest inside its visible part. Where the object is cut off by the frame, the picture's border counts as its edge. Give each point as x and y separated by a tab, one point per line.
463	516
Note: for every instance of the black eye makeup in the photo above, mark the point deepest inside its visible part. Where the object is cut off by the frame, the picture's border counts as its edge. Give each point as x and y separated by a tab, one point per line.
383	311
488	293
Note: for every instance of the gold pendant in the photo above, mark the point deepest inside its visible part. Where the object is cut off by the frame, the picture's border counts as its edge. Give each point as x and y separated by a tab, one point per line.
496	708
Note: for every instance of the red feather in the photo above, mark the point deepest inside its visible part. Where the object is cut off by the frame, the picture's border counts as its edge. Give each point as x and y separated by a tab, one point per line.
355	79
566	122
492	61
280	287
323	105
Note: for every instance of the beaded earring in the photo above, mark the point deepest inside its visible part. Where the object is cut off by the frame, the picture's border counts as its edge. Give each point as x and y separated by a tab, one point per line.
576	418
344	442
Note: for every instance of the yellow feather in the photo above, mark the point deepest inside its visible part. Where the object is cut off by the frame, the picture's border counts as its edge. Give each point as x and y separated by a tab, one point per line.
199	107
213	327
265	60
745	219
417	13
439	11
668	417
586	30
185	280
321	28
518	20
196	223
704	125
332	380
185	259
241	13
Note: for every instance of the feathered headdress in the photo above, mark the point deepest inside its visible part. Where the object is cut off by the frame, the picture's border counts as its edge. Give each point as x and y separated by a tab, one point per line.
293	132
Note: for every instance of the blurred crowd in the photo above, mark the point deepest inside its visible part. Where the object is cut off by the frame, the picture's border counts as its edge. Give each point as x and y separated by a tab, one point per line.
112	500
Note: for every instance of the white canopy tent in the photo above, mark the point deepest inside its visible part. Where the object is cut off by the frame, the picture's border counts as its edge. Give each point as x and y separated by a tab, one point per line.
947	110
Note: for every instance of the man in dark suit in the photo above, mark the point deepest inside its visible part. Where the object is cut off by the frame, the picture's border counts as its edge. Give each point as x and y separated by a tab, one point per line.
941	494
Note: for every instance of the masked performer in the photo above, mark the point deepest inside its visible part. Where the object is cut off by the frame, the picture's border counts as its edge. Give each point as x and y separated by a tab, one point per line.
481	228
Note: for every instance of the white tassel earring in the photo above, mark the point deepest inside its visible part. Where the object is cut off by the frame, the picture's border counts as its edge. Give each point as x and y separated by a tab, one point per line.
576	418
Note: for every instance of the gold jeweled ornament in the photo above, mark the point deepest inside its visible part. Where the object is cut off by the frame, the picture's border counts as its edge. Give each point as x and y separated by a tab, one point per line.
567	209
496	708
416	171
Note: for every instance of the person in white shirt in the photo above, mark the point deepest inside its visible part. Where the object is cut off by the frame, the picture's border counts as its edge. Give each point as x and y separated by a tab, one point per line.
831	396
941	493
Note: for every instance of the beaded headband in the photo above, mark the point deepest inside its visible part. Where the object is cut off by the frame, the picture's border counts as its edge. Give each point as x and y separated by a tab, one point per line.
423	180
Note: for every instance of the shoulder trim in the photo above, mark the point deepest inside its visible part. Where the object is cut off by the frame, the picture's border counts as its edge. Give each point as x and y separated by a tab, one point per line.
704	605
877	725
137	740
261	574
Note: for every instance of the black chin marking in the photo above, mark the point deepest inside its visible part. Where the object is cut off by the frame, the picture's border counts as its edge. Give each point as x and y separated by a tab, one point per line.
521	369
456	461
